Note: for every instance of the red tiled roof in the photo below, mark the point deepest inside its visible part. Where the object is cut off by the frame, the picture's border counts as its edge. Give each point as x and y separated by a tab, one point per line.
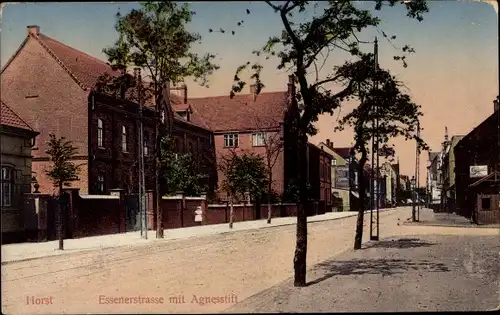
9	118
83	68
86	70
221	113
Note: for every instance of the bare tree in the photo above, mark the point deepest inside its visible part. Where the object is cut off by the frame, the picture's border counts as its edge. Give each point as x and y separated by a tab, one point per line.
272	141
225	165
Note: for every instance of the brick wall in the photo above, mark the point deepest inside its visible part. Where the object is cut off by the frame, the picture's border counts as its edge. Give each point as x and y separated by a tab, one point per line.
245	146
47	186
37	88
120	168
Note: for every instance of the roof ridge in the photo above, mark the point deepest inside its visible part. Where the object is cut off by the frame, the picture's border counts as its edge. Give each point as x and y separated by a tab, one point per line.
15	54
193	108
80	51
247	94
59	61
18	116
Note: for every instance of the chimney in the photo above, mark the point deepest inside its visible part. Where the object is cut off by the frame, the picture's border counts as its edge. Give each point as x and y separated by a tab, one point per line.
253	91
33	30
496	105
185	88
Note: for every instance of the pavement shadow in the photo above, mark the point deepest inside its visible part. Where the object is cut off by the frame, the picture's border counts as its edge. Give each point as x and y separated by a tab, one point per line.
399	243
384	267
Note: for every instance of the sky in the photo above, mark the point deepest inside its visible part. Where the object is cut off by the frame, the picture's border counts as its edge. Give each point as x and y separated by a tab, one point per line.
453	75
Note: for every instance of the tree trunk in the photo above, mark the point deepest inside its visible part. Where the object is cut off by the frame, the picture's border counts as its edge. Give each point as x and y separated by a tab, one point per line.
231	212
299	260
358	238
269	208
60	227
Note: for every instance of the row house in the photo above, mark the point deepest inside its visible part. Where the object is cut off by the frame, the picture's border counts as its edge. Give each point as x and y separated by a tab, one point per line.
52	86
433	186
477	171
339	177
390	173
448	175
344	175
16	140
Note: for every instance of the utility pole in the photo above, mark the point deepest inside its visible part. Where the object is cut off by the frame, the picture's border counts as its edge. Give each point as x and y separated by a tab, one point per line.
375	147
142	188
166	119
417	172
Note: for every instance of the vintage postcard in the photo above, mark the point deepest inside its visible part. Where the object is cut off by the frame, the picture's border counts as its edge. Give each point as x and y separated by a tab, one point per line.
250	157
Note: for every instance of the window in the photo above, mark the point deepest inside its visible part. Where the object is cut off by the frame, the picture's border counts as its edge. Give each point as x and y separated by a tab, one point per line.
100	184
258	139
100	133
485	204
146	138
7	181
124	138
231	140
334	162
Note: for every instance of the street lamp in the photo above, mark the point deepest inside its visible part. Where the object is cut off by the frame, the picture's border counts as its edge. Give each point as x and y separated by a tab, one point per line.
413	212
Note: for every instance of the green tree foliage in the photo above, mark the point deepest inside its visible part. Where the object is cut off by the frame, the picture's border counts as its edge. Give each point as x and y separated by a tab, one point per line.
381	99
303	48
155	37
244	173
62	171
180	172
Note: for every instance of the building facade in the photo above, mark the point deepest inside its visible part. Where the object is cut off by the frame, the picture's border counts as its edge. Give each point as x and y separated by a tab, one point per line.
61	99
477	178
16	143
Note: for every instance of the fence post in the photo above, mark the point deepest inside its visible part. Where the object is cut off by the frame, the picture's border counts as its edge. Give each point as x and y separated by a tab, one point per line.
203	208
122	226
151	210
72	210
183	206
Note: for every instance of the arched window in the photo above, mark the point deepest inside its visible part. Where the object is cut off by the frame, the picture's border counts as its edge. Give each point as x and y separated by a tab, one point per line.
146	140
7	183
124	138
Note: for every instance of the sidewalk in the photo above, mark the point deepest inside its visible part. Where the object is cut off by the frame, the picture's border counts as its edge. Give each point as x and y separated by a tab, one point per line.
28	251
430	218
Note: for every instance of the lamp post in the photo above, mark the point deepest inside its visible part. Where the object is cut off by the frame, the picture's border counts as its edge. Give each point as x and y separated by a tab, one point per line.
413	212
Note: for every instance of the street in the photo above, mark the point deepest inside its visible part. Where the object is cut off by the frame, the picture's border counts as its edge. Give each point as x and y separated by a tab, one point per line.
203	275
405	274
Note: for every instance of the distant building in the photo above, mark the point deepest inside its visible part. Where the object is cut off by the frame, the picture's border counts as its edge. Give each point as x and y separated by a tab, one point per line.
448	171
343	184
477	176
17	139
433	187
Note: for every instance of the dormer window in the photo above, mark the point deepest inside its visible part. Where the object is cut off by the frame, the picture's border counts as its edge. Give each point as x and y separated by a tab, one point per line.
184	114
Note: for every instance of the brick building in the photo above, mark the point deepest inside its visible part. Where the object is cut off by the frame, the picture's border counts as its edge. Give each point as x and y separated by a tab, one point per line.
51	86
16	141
243	124
476	192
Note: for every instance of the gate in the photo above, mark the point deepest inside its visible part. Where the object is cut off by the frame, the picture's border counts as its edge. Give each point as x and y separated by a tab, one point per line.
133	221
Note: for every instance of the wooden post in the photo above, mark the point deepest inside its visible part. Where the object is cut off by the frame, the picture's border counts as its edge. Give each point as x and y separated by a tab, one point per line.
183	206
227	208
